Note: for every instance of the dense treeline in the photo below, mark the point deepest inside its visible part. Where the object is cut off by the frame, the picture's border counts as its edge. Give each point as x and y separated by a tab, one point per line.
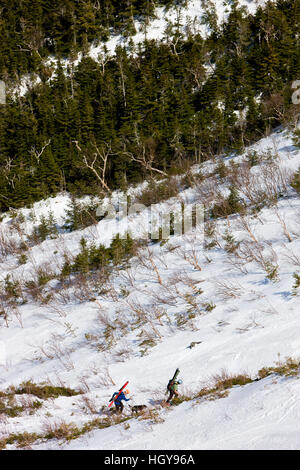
32	29
103	125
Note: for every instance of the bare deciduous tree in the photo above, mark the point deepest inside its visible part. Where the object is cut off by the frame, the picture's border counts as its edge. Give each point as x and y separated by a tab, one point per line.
37	154
145	159
96	160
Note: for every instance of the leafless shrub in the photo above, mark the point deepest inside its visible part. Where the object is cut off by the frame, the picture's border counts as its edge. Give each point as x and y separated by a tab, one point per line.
292	258
161	258
41	348
34	291
129	275
176	288
103	376
70	329
276	180
54	307
250	251
8	245
58	430
206	190
106	332
158	192
296	231
17	313
122	353
182	277
4	312
82	288
228	290
105	321
274	107
159	314
96	158
282	221
143	315
265	187
138	310
165	296
271	310
147	260
3	421
170	248
89	405
243	222
247	184
55	349
110	291
190	253
237	263
62	295
249	326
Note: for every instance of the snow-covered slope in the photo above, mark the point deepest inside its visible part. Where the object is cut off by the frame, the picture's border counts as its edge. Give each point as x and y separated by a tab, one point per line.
241	309
259	416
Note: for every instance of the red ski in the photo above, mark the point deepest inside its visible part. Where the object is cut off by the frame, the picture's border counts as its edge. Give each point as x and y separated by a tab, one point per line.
119	393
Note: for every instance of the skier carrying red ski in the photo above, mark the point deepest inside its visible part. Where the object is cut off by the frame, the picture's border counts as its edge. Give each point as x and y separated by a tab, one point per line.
117	398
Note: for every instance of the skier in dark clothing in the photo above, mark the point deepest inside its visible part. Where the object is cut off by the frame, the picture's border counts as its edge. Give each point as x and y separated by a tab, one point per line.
173	389
118	401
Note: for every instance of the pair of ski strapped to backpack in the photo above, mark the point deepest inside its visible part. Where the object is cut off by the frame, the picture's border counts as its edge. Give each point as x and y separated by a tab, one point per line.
173	380
113	399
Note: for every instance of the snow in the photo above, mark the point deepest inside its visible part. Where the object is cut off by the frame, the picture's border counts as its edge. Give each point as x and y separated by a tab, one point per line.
243	333
255	322
259	416
192	14
27	82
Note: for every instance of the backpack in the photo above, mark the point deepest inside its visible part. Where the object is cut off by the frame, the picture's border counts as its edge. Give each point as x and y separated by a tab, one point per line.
170	385
114	395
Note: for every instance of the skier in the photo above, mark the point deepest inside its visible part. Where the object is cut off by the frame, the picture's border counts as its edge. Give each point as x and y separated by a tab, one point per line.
118	400
172	387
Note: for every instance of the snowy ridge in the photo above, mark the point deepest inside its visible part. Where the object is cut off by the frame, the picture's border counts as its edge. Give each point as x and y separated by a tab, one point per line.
241	318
